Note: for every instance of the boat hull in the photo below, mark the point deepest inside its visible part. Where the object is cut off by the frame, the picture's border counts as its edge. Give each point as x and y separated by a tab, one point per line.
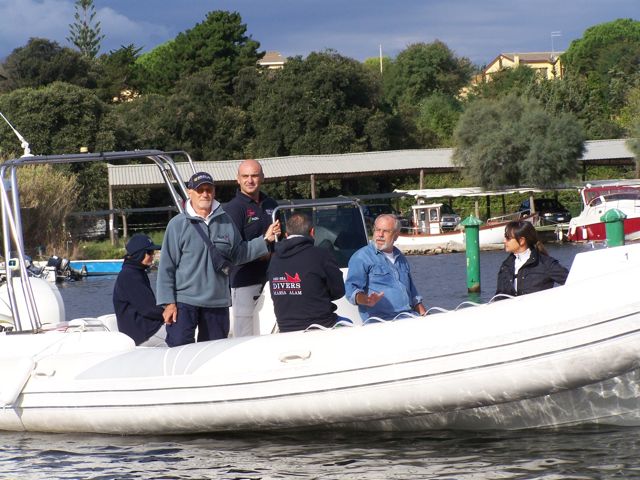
97	267
597	231
481	367
588	226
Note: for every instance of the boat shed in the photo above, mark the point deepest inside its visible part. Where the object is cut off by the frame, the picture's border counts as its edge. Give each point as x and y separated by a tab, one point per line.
314	167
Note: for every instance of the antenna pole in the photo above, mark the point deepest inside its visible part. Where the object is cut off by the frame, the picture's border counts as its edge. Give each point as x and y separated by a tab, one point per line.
23	143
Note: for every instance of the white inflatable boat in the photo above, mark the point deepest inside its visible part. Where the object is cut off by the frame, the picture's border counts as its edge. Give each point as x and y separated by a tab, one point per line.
568	355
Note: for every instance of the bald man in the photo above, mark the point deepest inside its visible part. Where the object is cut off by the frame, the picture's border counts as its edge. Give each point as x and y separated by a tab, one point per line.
251	212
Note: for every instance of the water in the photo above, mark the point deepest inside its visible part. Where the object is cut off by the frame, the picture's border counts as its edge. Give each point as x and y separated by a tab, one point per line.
568	453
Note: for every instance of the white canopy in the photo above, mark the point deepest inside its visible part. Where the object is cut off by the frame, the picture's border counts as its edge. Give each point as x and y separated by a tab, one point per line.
464	192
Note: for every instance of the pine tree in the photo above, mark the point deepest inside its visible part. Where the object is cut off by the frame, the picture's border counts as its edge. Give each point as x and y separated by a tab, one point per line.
84	33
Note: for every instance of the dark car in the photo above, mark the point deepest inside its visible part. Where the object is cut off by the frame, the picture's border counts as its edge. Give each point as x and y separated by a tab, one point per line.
550	210
370	213
449	218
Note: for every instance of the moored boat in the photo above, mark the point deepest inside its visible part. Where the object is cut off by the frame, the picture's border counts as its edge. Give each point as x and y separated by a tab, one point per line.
543	359
599	199
429	236
98	267
435	226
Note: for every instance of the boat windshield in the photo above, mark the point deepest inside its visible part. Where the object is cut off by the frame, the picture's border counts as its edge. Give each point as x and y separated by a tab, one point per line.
614	197
593	196
339	228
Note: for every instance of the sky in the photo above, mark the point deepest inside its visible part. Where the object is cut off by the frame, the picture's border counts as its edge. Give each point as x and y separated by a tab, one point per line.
477	29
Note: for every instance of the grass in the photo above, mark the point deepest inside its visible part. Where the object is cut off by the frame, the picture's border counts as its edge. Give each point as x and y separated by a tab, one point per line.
103	250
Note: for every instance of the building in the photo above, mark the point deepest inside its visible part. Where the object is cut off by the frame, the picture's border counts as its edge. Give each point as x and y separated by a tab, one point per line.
547	64
272	60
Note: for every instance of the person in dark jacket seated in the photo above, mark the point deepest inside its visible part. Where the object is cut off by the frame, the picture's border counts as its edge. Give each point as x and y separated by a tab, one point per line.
304	279
528	268
133	300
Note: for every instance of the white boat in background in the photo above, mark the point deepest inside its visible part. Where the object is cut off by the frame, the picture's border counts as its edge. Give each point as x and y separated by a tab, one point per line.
436	226
597	199
430	237
557	357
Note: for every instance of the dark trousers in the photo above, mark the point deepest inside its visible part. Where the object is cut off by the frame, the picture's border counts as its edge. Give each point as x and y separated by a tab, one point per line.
212	323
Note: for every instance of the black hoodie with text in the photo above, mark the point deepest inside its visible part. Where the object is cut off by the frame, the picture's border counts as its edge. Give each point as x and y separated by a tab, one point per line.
304	279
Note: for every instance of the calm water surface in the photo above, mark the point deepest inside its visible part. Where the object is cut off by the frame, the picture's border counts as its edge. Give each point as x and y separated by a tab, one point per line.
567	453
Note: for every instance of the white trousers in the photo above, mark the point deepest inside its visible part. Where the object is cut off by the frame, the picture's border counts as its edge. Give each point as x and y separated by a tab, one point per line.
244	318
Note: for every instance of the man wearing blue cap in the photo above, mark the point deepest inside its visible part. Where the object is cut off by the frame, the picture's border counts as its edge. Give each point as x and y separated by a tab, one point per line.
199	247
133	300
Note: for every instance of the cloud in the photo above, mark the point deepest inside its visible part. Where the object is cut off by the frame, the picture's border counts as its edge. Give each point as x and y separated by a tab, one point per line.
21	20
120	30
24	19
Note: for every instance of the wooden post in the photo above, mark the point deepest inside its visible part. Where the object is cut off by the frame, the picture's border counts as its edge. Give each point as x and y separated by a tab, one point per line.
488	206
313	186
477	209
111	218
532	204
504	206
125	233
421	178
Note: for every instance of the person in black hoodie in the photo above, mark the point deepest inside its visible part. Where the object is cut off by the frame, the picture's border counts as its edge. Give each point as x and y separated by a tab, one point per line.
133	300
304	279
528	268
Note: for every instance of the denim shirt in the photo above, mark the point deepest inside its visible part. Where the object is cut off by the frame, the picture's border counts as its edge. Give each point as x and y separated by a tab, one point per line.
370	271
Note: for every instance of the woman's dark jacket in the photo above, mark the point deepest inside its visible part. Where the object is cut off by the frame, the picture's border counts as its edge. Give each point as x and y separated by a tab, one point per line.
304	280
135	304
539	272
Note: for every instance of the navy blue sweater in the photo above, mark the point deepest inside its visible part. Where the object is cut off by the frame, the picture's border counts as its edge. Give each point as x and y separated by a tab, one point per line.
253	220
135	304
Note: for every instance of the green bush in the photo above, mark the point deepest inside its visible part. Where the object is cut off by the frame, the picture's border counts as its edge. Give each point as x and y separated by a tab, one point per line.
103	250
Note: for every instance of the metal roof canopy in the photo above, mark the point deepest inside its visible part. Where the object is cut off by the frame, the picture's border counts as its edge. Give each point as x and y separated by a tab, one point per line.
302	167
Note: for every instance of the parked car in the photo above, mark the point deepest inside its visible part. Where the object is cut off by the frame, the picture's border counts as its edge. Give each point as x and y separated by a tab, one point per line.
550	210
370	213
449	219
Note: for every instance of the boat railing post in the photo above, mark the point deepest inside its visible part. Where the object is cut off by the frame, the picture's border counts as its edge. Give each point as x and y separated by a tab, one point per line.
471	226
614	225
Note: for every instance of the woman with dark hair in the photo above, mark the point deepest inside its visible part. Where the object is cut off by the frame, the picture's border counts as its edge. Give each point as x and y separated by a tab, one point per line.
528	268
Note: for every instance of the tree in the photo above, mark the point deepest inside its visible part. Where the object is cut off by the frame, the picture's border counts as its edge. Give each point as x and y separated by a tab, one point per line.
607	60
138	124
205	121
84	33
604	49
505	82
422	69
574	95
630	119
41	62
437	119
47	197
515	142
119	77
325	103
58	118
219	44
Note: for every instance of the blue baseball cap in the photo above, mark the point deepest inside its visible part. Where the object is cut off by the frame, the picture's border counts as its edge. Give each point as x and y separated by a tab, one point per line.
140	242
198	179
